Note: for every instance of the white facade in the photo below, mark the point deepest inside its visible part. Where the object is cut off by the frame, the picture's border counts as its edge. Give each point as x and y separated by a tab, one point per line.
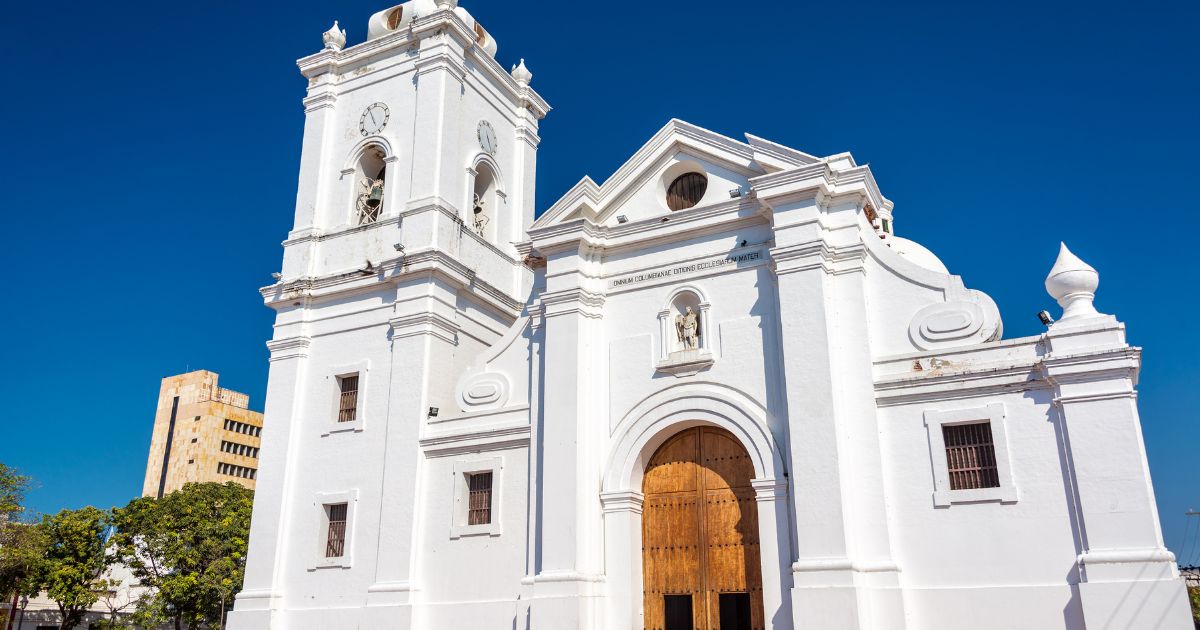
831	349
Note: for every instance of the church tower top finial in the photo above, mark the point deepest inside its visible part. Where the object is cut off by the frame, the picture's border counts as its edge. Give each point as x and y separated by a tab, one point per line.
1073	284
335	38
521	73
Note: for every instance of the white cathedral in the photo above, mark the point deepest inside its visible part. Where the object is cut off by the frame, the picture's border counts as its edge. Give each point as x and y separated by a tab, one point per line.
715	391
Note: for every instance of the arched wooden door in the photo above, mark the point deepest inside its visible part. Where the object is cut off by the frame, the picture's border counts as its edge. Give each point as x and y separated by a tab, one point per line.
700	562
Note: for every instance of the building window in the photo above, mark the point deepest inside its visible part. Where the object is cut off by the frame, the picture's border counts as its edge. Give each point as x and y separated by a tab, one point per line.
243	428
969	453
479	498
970	456
686	191
233	470
335	540
348	398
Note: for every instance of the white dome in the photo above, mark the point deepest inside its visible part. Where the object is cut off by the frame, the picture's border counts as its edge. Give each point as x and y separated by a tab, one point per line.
916	253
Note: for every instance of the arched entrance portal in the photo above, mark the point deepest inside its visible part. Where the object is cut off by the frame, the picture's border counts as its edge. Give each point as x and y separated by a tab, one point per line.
700	555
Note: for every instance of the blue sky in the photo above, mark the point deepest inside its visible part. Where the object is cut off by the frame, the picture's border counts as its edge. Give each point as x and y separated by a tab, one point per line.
152	151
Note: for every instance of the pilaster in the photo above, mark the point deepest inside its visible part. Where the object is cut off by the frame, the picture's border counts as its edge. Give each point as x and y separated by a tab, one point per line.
423	333
844	575
570	576
1127	575
260	603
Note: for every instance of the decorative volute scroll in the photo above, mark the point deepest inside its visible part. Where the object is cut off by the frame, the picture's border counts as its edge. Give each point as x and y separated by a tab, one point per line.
968	318
488	384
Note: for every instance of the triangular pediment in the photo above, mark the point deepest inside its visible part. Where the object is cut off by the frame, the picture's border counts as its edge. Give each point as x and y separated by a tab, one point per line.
637	190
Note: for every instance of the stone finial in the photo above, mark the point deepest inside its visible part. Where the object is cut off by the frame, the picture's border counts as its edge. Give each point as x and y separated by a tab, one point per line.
1073	283
447	4
335	38
522	74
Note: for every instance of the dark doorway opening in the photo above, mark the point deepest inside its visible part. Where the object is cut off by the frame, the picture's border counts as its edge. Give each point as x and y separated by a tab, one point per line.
735	611
678	612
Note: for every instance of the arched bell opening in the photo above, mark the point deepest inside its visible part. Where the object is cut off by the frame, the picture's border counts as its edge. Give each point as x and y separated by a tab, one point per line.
485	202
701	561
370	175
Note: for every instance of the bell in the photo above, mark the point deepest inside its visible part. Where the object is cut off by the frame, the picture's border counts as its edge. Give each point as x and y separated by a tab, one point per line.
375	196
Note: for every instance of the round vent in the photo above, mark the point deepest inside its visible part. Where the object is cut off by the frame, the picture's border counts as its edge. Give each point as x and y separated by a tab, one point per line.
686	191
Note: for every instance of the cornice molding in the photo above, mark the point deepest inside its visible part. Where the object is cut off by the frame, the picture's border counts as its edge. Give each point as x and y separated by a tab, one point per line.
622	501
475	441
572	301
1110	365
289	348
424	323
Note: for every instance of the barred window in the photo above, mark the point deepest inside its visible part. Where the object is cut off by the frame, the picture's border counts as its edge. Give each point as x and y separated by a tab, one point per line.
479	503
686	191
348	400
335	540
970	456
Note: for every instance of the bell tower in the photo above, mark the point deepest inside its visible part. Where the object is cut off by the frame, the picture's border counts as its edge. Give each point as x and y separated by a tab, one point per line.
418	116
416	183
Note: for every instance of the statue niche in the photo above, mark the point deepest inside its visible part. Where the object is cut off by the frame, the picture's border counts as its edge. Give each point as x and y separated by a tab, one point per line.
685	347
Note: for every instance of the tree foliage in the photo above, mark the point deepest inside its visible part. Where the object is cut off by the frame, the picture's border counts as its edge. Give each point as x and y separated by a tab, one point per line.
13	486
76	559
190	546
22	546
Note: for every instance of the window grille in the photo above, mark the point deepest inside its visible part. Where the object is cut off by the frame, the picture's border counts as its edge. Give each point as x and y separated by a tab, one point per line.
348	402
479	501
970	456
686	191
335	542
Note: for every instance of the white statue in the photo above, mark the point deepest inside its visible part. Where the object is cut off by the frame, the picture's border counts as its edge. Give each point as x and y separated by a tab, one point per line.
687	328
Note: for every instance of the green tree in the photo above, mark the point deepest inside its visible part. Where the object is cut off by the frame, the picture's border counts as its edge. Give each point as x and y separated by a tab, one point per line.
190	546
13	486
22	545
75	560
1194	595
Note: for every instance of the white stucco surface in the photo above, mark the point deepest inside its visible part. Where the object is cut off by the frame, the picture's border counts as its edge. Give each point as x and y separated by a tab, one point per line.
832	349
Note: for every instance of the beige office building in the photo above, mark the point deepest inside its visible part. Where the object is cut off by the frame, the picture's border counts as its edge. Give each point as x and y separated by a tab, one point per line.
202	432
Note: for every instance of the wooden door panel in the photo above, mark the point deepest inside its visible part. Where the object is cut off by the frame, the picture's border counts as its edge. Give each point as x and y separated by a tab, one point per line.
700	527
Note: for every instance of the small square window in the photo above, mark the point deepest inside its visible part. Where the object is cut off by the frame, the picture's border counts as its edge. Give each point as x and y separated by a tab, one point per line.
969	453
479	500
194	440
970	456
191	461
335	539
348	398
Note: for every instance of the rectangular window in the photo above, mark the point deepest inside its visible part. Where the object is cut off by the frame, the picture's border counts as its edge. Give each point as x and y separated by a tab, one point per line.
348	402
970	456
335	541
479	498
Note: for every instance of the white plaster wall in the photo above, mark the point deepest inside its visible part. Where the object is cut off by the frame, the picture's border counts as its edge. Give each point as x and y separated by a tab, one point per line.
1003	556
474	581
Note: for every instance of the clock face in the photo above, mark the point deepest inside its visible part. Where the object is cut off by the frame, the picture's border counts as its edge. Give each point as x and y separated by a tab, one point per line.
373	119
487	137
